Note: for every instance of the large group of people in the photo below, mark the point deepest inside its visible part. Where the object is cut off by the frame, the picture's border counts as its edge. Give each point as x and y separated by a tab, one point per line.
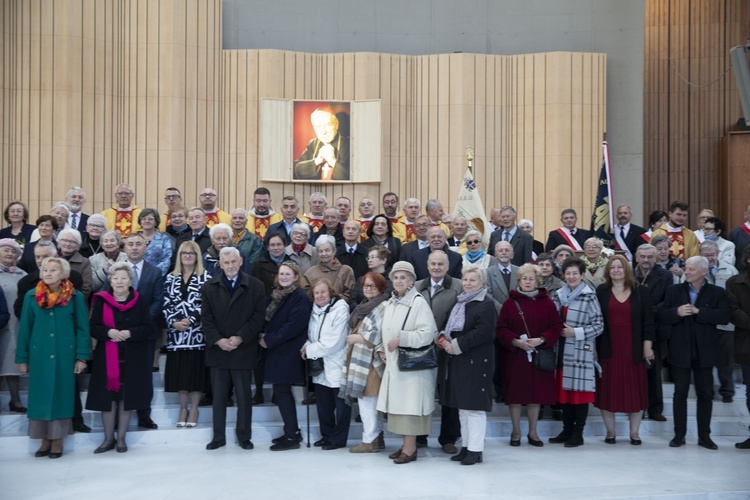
390	313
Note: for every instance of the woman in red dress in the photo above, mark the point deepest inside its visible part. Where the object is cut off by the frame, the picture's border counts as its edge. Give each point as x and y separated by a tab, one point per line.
523	382
624	348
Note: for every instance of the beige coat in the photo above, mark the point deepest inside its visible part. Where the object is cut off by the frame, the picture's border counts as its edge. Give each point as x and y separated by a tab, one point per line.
337	273
407	393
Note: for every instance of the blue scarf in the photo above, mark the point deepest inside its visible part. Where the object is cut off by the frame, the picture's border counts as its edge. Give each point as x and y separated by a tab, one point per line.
475	256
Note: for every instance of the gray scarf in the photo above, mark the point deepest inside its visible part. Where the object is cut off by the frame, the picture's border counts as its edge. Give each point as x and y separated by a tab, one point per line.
567	296
457	319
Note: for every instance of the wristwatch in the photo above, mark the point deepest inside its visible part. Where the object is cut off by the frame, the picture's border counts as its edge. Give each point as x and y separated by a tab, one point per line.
544	341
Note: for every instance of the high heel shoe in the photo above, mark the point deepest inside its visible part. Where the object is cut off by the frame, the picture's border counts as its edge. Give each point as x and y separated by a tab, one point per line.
514	442
405	459
461	455
16	408
105	447
535	442
473	457
192	422
635	442
182	419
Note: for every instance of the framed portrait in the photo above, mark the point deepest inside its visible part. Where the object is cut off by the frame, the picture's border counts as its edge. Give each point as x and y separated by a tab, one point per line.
320	141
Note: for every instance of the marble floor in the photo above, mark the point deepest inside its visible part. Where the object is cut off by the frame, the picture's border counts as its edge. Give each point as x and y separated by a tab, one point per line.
187	471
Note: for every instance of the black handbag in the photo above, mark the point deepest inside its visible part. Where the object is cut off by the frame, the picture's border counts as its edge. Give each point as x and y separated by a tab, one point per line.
317	366
544	359
411	359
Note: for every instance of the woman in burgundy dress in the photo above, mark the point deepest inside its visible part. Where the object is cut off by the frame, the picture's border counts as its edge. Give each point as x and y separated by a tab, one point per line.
523	382
624	348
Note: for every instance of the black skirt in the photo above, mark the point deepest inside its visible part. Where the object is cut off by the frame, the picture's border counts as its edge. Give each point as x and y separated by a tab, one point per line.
185	371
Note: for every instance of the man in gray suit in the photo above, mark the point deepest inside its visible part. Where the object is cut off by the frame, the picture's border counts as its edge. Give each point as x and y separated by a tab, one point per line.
440	290
521	241
501	279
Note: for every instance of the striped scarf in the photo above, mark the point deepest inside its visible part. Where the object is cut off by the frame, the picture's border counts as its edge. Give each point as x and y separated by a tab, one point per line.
363	358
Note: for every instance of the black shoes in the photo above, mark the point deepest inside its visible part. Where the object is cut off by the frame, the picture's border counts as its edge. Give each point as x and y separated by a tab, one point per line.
515	442
461	455
285	443
215	445
560	438
122	449
297	436
635	442
658	417
16	407
535	442
677	441
706	442
206	401
744	445
105	447
258	399
81	427
576	440
727	399
147	423
44	453
472	457
612	440
333	446
320	442
246	445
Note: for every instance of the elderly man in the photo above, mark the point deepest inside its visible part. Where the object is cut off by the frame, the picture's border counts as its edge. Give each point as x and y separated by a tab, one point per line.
326	157
232	317
208	199
436	238
331	225
494	220
627	235
317	203
344	207
366	213
300	250
694	310
221	237
75	198
421	225
405	230
351	253
684	243
656	279
459	228
738	296
440	290
123	216
568	233
172	198
521	241
289	211
261	216
198	230
740	236
246	242
718	274
434	210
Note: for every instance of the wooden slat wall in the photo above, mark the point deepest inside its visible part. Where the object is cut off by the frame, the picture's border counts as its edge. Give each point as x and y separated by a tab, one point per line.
683	123
94	93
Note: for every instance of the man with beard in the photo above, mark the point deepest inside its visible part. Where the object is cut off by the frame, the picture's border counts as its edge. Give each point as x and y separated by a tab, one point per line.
75	198
684	242
261	216
208	200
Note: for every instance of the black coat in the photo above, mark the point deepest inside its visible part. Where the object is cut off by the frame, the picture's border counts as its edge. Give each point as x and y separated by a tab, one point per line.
657	282
522	243
357	260
286	333
265	269
136	357
695	336
633	239
226	315
467	377
419	261
642	317
392	243
555	239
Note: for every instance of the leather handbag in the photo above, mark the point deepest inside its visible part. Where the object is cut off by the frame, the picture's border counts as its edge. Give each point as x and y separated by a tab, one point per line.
317	366
412	359
544	359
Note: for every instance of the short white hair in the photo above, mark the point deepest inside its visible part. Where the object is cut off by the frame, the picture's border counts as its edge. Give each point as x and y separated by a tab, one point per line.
71	233
325	239
525	222
219	227
227	251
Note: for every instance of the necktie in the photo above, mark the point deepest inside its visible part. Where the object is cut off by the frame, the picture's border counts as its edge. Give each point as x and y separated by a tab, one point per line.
506	278
436	289
351	250
135	277
573	232
506	236
74	223
622	233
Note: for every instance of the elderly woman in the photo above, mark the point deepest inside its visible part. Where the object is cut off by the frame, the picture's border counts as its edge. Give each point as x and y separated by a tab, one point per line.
329	267
52	360
624	348
46	225
467	375
527	324
377	261
69	241
408	397
475	253
185	370
380	233
17	216
287	317
10	275
102	262
60	211
121	378
159	250
666	260
326	341
583	322
656	220
560	255
363	368
537	247
300	251
92	238
546	265
595	261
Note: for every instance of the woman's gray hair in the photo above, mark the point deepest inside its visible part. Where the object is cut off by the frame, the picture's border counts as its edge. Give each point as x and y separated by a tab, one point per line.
325	239
71	233
478	270
660	238
61	204
563	248
474	232
596	241
302	227
524	222
111	232
121	266
97	218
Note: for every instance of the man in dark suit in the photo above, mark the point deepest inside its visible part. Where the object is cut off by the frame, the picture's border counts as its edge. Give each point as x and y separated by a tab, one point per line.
232	316
440	290
289	211
740	236
199	231
75	198
326	157
421	225
148	281
331	225
656	279
521	241
568	234
351	253
693	310
628	236
436	237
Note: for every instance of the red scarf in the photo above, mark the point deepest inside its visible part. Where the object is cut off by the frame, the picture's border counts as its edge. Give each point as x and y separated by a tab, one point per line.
111	353
47	299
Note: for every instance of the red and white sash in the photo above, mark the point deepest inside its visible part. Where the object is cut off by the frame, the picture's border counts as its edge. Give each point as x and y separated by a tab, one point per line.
572	242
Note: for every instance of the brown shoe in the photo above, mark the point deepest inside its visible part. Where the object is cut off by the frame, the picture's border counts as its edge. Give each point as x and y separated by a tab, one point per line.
365	448
658	417
394	456
405	459
381	441
450	449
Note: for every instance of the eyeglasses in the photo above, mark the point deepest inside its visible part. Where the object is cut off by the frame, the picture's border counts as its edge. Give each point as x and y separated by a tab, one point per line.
96	226
188	254
172	196
591	247
148	219
473	242
426	224
299	233
707	229
369	287
123	193
69	242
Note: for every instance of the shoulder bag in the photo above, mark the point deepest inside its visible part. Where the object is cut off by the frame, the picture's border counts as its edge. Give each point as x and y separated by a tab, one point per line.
544	359
412	359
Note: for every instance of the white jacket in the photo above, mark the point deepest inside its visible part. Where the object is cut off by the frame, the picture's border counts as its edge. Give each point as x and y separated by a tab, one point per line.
331	346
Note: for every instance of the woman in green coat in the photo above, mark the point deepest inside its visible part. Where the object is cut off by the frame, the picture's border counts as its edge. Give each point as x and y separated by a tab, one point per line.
53	346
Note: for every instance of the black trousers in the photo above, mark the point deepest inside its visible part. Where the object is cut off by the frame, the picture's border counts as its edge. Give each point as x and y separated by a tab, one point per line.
287	408
334	415
77	406
703	381
746	381
655	391
726	363
243	390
